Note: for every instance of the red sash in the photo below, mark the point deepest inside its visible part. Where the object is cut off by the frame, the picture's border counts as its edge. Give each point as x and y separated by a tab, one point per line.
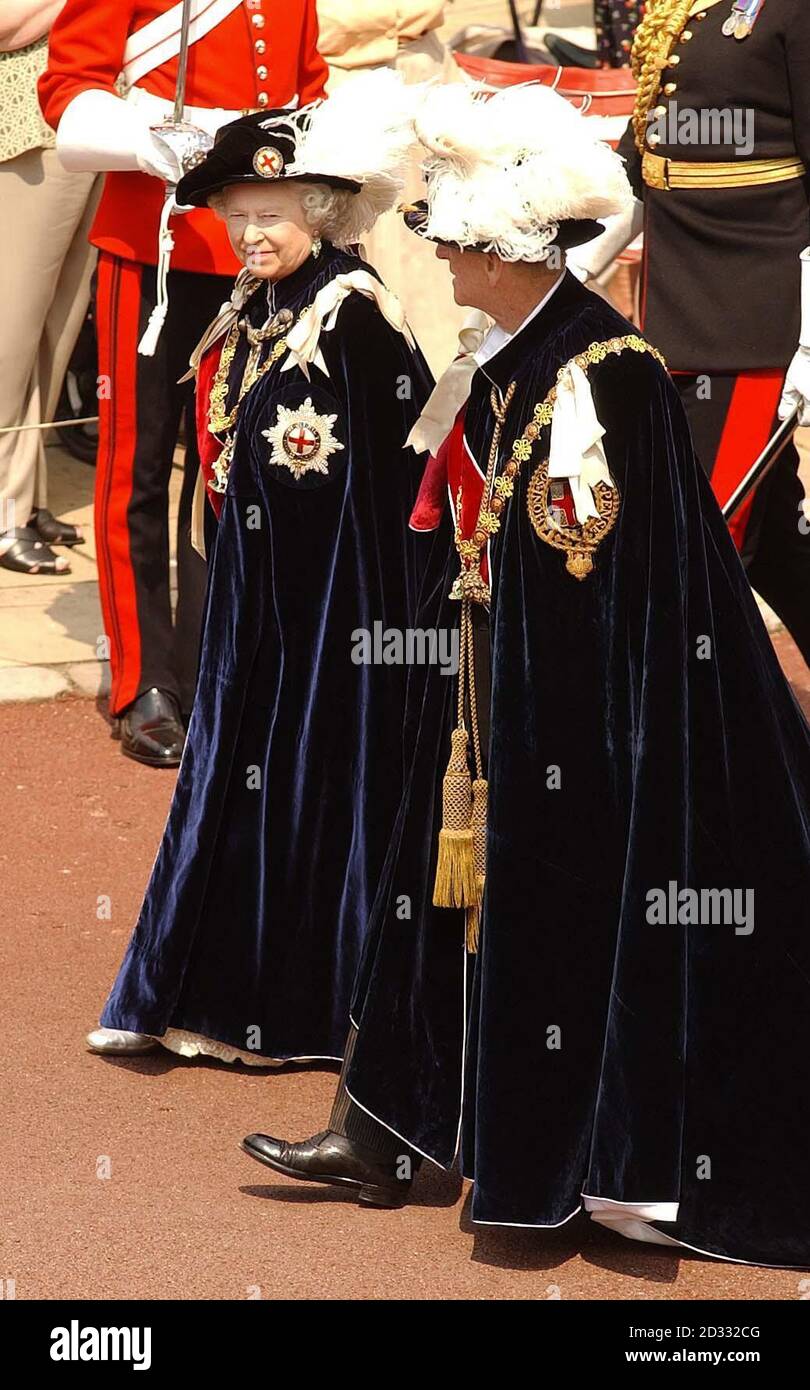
454	468
207	443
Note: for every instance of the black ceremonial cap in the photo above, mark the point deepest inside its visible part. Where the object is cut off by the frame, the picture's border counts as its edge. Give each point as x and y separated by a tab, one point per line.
253	149
572	232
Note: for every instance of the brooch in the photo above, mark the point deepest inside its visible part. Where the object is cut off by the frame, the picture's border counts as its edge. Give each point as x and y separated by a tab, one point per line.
302	439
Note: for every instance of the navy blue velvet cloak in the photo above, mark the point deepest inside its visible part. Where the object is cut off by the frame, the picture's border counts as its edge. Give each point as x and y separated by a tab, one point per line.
677	1043
252	924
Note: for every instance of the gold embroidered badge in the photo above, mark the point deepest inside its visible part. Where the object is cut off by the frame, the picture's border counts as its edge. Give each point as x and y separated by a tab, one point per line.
268	162
578	542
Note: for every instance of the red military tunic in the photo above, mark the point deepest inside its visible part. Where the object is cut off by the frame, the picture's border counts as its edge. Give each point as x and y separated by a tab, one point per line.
262	54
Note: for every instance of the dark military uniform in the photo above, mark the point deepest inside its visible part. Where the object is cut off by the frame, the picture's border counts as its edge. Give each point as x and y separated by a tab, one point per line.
721	275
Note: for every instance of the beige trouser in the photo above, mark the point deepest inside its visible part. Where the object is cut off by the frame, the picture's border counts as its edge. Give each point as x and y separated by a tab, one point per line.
407	264
45	268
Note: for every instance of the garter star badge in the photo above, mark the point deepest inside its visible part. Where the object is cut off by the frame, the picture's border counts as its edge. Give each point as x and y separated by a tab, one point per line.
302	439
268	162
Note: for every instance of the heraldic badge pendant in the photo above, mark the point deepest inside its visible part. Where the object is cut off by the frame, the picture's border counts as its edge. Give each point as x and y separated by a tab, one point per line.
302	439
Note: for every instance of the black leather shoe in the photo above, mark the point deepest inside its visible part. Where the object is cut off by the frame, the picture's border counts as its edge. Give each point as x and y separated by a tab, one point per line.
329	1158
151	730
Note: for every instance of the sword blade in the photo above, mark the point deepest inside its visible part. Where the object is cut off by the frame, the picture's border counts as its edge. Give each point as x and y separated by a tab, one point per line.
182	63
761	466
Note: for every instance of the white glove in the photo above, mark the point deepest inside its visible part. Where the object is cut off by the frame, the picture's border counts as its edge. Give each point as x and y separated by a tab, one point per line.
155	157
99	131
589	261
797	381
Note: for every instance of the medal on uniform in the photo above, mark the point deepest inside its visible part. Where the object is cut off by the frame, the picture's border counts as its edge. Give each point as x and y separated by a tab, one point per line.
743	17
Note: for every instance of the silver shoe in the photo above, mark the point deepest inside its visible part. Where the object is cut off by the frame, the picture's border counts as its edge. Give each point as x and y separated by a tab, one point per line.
116	1042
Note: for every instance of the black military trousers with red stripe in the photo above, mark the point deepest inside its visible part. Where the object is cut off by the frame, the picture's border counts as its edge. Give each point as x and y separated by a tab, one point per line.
140	407
732	416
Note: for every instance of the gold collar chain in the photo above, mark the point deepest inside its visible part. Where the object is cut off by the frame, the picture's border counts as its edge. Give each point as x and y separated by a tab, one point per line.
219	419
498	490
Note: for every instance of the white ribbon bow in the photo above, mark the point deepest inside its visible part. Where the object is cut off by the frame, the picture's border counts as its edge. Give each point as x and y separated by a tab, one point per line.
575	450
451	390
303	339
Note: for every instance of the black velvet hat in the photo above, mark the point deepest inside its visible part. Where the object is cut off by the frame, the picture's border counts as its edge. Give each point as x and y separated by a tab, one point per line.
573	232
259	148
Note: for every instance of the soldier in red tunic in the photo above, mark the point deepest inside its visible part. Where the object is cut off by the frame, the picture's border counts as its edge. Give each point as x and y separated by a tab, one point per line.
112	75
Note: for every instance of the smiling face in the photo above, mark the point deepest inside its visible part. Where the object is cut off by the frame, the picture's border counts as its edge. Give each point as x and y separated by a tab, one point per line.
267	227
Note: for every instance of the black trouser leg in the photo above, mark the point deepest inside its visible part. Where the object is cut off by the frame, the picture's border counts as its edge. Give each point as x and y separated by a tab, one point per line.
780	568
157	649
354	1124
192	577
775	541
194	300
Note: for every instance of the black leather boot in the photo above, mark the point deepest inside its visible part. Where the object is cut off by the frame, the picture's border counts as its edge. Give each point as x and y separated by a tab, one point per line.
330	1158
151	730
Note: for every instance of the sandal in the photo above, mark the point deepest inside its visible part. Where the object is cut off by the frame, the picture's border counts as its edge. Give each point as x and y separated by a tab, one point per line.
27	554
53	531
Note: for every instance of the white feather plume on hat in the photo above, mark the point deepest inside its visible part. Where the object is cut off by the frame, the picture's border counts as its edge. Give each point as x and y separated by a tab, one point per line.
504	170
363	132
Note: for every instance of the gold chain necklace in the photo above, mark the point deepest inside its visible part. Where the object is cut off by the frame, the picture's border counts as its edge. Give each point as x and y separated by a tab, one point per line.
223	421
470	583
220	419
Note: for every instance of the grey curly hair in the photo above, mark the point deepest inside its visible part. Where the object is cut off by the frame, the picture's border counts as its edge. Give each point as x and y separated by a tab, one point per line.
327	210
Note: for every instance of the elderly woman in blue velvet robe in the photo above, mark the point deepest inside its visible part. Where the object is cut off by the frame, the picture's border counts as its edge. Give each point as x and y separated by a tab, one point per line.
250	932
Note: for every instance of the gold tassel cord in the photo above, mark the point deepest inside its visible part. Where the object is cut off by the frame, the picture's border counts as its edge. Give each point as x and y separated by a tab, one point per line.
461	861
480	790
455	884
655	39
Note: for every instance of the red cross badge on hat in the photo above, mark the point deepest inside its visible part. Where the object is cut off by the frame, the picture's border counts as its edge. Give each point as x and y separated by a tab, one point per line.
302	439
268	162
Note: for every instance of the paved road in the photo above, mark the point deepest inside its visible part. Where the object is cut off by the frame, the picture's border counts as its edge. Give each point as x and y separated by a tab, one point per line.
183	1214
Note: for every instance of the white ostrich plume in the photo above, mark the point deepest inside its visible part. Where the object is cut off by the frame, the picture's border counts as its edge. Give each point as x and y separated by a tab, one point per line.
364	133
504	170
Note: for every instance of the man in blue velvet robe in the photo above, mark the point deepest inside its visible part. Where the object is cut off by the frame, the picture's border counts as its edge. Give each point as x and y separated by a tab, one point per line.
599	996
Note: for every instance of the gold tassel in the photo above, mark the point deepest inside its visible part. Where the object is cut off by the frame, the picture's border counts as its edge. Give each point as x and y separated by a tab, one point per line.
455	884
480	792
473	918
